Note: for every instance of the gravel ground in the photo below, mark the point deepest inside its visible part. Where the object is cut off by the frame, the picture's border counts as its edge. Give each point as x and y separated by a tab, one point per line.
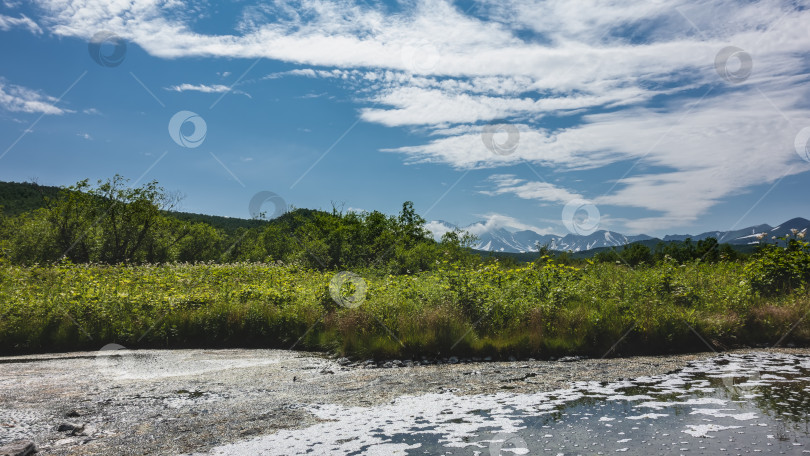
183	401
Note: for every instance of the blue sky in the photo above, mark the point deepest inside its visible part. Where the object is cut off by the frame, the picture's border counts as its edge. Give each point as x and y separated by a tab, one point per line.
667	116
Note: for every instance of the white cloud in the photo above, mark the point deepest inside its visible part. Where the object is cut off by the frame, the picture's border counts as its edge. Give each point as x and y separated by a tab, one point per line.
495	221
489	223
16	98
7	23
540	191
215	88
84	136
437	228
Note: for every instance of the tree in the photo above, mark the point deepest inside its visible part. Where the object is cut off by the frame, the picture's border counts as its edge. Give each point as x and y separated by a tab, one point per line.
636	254
128	217
112	222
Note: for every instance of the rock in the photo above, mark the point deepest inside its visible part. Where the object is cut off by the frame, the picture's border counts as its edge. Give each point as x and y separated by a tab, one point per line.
327	371
388	365
488	359
570	359
19	448
453	360
344	361
73	414
71	428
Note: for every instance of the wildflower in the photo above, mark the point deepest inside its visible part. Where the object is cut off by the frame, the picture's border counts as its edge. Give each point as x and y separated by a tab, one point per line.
801	235
761	236
794	231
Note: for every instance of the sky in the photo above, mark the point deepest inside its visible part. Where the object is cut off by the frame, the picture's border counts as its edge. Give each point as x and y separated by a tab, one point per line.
637	116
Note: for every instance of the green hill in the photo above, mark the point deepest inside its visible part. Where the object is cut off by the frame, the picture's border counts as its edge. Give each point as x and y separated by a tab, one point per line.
19	197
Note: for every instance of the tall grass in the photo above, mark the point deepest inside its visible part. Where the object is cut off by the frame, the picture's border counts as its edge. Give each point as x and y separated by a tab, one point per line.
485	310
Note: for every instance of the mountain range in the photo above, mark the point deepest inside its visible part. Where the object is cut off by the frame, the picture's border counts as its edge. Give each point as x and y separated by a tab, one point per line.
506	239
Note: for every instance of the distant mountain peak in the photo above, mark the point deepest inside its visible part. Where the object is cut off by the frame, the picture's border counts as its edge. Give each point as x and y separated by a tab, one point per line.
514	240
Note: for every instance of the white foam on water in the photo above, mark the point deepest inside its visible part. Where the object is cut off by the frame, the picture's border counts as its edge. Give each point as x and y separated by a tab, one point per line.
720	413
652	416
456	422
702	430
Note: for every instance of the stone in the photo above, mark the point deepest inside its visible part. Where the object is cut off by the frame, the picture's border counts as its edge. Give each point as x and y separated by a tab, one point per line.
571	359
71	428
19	448
344	361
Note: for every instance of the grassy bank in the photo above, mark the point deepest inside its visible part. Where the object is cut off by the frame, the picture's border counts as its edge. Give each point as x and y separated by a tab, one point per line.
537	310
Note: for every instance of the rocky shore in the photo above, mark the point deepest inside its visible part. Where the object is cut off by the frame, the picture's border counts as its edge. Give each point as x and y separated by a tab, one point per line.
185	401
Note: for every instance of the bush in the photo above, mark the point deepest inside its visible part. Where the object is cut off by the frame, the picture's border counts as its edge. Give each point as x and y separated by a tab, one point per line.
777	270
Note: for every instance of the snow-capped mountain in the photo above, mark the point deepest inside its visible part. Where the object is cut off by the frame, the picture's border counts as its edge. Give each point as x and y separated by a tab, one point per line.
504	239
518	241
749	235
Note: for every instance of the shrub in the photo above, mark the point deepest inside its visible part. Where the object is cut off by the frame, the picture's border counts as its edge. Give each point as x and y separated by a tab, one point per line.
776	270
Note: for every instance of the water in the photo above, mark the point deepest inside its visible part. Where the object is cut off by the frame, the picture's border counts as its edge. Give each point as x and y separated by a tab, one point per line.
730	404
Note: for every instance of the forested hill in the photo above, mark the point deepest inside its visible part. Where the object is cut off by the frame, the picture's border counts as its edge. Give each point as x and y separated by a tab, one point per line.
19	197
